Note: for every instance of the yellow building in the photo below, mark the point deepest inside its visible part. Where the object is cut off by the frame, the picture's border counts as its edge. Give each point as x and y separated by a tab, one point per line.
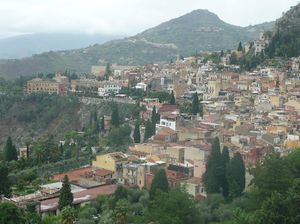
110	161
275	100
38	85
277	129
176	152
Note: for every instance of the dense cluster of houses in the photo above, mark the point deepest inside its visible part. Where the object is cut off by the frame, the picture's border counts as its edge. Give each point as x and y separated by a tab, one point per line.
253	113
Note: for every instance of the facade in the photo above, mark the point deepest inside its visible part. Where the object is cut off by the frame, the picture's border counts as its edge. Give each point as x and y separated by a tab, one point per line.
38	85
109	88
112	161
168	122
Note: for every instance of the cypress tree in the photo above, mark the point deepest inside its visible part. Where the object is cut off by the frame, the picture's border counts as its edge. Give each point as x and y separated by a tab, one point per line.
148	130
65	196
4	181
195	104
240	47
160	182
235	174
225	160
108	71
172	99
154	115
10	151
115	120
214	169
28	151
136	133
154	118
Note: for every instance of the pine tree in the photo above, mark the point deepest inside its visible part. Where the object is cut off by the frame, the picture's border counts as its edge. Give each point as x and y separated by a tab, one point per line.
172	99
65	196
160	182
240	47
10	151
225	160
148	130
137	134
214	169
115	120
4	181
195	104
235	174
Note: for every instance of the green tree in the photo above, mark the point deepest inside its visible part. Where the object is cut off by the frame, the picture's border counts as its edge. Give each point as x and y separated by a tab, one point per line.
162	96
65	196
10	151
281	207
172	99
274	174
119	136
225	160
4	181
121	193
160	182
174	207
195	105
214	169
148	130
233	59
68	215
108	71
240	47
10	214
154	116
51	219
115	119
121	211
235	174
137	134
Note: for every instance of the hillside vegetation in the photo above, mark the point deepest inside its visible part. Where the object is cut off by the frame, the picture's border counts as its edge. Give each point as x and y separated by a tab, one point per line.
197	31
285	41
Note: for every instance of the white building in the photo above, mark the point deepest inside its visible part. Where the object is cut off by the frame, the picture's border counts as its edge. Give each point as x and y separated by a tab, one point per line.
109	88
141	86
168	122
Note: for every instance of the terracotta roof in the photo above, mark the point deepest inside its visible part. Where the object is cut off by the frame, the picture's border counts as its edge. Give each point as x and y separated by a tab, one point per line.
80	197
167	108
103	172
73	175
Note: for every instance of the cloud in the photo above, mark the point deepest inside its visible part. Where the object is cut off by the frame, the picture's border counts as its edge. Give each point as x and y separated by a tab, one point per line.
125	16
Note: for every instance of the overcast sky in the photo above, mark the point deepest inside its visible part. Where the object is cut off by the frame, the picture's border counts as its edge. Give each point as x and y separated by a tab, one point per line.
125	16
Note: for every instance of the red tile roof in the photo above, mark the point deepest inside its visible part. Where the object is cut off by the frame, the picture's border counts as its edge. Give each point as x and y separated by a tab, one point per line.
80	197
73	175
103	172
167	108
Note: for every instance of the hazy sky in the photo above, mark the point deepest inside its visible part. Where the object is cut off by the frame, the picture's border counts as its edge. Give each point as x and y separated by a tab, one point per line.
125	16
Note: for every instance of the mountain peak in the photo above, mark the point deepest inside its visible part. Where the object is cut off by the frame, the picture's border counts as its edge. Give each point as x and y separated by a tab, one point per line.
202	12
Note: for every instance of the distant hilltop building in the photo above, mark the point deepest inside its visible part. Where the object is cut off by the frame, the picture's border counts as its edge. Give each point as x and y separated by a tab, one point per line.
261	44
38	85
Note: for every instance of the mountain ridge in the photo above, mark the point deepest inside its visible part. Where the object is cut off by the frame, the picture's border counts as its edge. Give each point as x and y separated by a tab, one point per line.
26	45
199	30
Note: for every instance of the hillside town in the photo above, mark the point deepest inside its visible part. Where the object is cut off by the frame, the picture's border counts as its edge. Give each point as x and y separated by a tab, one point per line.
196	138
252	113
